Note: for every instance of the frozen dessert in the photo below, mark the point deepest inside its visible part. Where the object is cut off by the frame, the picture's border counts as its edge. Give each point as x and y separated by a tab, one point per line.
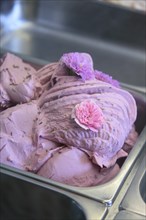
72	166
16	133
44	75
17	81
90	115
75	126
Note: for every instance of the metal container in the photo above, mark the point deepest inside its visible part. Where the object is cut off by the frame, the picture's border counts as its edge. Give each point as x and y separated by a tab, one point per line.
128	215
107	192
135	198
115	39
24	198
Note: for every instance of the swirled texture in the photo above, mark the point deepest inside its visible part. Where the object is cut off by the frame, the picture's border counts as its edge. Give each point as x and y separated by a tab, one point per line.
75	132
118	108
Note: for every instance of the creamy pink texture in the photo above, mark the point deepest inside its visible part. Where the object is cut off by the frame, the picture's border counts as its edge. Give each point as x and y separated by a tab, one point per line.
74	133
17	81
55	119
43	76
72	166
16	134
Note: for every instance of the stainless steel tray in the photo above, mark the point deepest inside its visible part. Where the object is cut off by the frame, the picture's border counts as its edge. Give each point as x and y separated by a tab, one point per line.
24	198
128	215
135	198
42	32
107	192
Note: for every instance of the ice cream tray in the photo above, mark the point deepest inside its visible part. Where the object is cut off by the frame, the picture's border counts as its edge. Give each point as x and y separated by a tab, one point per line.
82	202
138	185
105	193
116	52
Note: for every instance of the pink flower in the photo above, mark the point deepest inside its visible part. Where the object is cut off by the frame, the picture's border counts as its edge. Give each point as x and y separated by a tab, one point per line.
106	78
79	63
88	115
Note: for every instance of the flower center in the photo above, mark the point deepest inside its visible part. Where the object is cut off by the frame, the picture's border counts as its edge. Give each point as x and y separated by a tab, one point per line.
88	115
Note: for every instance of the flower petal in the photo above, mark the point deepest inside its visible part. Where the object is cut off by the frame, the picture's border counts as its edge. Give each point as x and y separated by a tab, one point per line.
106	78
88	115
79	63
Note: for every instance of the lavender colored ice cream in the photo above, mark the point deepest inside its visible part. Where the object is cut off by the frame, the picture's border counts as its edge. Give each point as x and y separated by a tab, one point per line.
77	126
92	115
18	82
16	134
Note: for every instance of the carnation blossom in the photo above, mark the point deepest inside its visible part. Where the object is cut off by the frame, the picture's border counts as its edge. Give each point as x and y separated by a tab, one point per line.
106	78
79	63
88	115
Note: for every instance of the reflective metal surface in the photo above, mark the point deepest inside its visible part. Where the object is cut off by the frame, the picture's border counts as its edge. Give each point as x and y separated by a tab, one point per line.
135	198
125	215
22	198
142	187
43	29
40	32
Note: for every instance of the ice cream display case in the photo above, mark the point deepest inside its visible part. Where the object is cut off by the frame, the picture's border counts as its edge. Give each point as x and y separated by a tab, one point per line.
30	199
40	36
106	192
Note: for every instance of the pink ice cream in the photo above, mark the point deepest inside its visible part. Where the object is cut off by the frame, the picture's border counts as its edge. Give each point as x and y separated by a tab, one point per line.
43	76
79	125
18	82
104	133
16	134
72	166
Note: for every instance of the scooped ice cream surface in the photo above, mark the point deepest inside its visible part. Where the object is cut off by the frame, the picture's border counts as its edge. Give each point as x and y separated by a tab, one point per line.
18	82
16	125
73	166
91	114
75	131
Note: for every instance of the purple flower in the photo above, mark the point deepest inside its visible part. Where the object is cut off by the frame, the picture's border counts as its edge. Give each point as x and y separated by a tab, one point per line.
88	115
79	63
106	78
